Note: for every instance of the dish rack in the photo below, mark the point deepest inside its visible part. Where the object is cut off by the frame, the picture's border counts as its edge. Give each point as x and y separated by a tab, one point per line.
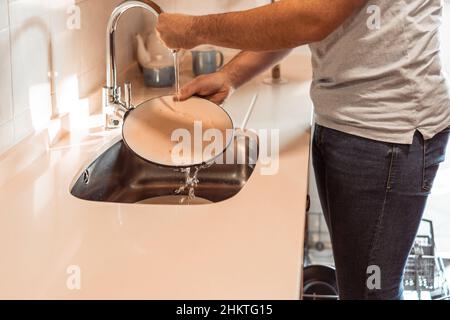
319	275
425	271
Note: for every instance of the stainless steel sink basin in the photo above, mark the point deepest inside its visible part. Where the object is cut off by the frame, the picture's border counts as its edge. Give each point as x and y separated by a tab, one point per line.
117	175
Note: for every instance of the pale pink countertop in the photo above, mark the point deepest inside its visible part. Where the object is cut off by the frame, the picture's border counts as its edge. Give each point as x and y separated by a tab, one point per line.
247	247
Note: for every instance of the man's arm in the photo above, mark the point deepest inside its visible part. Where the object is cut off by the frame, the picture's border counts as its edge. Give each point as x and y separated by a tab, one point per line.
218	86
247	64
283	25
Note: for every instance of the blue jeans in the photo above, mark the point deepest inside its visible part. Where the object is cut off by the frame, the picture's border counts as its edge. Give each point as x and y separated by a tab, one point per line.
373	195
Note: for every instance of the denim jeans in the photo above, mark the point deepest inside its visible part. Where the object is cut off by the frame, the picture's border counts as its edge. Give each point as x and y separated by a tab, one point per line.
373	195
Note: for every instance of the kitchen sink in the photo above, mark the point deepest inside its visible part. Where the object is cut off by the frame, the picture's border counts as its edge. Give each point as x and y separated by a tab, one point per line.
118	175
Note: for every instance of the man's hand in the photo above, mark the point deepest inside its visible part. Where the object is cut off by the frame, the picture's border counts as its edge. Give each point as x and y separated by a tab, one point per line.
218	86
215	87
175	31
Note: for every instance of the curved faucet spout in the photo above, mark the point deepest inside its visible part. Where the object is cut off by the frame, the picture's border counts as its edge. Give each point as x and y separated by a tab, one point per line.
111	92
111	68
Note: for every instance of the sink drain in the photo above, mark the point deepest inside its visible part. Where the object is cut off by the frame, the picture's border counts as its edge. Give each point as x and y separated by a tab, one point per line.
86	176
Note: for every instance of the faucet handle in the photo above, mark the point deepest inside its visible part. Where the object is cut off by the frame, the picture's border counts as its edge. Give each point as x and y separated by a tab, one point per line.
127	96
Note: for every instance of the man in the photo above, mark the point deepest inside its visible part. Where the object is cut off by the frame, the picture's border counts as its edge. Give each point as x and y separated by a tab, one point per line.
382	114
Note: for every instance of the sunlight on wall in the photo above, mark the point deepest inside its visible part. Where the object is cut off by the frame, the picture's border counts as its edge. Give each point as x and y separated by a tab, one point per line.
67	97
39	101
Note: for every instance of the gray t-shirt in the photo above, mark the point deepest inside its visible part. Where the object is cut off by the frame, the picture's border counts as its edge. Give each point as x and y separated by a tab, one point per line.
383	81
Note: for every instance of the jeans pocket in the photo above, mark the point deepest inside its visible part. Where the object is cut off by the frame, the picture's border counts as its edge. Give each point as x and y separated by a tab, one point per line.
433	154
317	138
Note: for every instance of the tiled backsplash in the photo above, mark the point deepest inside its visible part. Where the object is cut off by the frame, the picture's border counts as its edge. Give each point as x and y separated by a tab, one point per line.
49	65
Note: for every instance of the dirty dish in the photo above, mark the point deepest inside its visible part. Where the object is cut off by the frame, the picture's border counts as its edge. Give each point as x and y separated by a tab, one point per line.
177	133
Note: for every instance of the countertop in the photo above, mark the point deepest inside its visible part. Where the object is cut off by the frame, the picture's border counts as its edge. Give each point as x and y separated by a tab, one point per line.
246	247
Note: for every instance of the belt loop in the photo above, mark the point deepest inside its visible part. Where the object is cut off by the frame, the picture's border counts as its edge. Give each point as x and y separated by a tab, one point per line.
391	168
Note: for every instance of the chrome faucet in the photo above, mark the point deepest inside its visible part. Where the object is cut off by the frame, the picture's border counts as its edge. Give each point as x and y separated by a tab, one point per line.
113	105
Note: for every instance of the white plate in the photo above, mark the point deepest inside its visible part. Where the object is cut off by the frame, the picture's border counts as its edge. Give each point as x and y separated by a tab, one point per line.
180	134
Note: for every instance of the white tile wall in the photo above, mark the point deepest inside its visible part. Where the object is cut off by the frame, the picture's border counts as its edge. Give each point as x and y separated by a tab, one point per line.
4	17
6	135
22	11
6	111
5	78
23	125
30	64
49	69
